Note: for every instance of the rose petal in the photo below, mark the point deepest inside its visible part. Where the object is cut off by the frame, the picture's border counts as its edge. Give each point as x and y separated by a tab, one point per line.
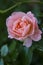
36	37
27	42
9	21
13	17
9	36
18	13
32	17
30	14
40	32
31	21
26	30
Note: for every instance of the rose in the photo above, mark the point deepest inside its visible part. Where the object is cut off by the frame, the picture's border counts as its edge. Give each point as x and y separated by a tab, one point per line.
23	26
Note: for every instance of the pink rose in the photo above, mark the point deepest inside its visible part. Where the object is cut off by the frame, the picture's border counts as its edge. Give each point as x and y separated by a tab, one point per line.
24	27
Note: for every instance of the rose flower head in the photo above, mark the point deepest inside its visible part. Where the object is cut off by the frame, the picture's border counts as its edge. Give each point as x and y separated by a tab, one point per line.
24	27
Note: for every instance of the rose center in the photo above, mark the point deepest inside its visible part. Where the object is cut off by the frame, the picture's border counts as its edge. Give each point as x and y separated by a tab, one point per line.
20	26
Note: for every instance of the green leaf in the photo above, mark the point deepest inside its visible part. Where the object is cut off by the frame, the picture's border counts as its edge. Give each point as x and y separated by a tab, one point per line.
4	50
25	56
12	46
14	50
37	58
9	4
38	45
10	8
1	62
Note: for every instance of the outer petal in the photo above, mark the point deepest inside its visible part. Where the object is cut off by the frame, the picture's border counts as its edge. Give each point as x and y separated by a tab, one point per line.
39	31
37	34
19	14
27	42
9	36
9	21
36	37
30	14
32	17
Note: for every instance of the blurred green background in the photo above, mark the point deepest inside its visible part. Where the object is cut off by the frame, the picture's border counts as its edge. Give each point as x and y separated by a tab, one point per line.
17	54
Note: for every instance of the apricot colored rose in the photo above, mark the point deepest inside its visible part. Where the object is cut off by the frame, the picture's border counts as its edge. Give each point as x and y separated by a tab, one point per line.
23	27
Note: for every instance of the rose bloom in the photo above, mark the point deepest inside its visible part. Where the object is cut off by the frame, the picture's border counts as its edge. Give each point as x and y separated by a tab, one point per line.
24	27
